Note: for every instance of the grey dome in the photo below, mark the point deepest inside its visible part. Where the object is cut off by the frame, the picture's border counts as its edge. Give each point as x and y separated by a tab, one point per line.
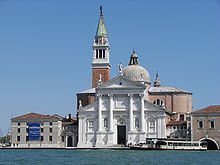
136	73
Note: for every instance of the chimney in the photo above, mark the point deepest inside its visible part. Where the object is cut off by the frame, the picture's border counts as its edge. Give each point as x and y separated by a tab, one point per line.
69	116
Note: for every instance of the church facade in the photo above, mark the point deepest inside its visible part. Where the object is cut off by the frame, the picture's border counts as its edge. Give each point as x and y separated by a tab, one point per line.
120	115
127	109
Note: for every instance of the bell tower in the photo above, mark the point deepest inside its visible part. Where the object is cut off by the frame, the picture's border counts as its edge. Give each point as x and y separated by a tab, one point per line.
101	49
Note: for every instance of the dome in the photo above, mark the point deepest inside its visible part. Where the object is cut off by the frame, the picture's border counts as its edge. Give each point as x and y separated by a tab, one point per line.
136	72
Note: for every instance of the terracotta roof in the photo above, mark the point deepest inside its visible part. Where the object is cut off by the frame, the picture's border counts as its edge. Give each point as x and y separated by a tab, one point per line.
172	122
56	115
69	123
210	109
167	90
36	116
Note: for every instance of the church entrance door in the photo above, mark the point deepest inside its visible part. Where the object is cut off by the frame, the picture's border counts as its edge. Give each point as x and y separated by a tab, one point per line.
122	134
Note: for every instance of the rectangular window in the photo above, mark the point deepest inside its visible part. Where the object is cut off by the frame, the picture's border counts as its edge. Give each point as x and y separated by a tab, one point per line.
62	138
19	124
136	123
90	126
50	138
19	130
42	138
51	123
97	54
42	130
105	123
104	53
200	124
27	138
182	117
212	124
18	138
100	53
151	126
51	130
27	130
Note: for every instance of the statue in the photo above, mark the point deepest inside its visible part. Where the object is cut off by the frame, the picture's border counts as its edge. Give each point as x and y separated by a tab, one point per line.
80	104
100	79
120	66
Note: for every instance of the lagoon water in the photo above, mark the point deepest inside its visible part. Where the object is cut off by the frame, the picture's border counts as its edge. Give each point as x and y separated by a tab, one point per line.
107	157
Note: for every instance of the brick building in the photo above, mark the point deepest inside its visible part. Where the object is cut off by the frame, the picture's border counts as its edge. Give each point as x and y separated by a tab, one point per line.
205	125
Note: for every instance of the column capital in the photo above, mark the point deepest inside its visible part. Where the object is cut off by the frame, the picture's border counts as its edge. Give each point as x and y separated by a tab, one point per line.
131	95
141	95
99	95
111	95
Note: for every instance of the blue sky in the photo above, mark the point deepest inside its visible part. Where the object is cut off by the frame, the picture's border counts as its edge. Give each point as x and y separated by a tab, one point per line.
46	49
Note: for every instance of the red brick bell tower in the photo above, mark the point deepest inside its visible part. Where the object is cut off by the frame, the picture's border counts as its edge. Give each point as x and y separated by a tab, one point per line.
101	49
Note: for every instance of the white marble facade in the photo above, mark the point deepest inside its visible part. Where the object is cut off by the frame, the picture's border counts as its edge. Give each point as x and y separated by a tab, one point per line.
121	114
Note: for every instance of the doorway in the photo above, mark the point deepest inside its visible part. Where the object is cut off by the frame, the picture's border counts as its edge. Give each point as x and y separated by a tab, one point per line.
121	134
70	141
211	145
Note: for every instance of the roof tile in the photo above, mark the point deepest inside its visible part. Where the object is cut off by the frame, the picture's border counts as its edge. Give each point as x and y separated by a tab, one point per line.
210	109
36	116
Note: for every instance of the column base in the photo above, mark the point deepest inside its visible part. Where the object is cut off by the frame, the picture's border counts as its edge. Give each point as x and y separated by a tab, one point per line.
142	137
99	142
110	141
132	137
81	144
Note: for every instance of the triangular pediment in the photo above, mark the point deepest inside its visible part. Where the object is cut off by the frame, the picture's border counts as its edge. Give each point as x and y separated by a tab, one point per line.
121	82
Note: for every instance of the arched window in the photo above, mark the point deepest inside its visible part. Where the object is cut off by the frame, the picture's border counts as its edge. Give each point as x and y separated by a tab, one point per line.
104	53
158	102
100	53
97	54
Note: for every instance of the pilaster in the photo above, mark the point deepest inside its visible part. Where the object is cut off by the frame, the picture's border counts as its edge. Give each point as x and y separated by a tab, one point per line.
81	133
99	113
142	113
99	142
111	112
131	114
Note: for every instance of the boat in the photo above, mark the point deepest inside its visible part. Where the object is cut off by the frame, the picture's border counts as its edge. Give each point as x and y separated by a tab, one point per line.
170	144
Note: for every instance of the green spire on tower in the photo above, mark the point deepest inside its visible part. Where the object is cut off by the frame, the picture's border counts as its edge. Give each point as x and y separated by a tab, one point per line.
101	30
